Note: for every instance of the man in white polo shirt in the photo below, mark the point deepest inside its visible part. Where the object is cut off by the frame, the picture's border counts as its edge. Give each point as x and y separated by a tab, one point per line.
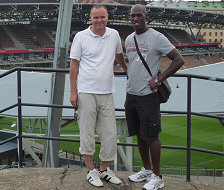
92	83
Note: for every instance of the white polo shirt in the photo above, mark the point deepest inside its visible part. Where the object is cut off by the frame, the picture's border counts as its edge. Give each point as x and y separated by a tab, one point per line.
96	55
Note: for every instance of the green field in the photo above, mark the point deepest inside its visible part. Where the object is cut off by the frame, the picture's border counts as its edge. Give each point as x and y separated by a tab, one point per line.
206	133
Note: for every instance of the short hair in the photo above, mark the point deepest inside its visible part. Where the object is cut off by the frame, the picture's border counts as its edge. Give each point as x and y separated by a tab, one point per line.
97	6
142	7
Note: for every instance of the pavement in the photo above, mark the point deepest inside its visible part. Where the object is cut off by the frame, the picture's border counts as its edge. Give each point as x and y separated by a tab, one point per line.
75	179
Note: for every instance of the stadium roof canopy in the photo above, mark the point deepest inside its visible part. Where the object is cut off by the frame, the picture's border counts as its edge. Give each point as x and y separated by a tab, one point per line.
172	4
208	6
40	10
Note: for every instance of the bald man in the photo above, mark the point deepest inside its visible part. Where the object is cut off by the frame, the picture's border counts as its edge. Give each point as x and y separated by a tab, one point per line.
142	106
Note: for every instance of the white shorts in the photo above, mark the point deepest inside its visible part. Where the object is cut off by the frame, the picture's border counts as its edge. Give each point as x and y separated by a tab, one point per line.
97	111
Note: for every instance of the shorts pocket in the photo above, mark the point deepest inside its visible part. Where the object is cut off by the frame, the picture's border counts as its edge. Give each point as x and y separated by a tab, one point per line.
154	127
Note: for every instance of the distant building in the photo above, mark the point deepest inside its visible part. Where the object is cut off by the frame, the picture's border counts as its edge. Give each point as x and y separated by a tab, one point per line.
210	35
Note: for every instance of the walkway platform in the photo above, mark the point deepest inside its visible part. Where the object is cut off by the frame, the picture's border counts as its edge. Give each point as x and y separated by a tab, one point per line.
75	179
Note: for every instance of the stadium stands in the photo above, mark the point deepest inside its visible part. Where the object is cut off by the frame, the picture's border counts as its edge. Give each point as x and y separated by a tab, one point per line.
170	37
210	59
180	35
5	41
50	56
191	62
37	38
31	37
174	35
34	42
11	59
124	30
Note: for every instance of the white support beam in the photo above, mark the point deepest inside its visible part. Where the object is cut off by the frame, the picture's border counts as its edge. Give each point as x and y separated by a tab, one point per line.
123	157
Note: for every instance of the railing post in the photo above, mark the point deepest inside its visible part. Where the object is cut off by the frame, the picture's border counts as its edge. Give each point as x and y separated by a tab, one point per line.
188	128
20	156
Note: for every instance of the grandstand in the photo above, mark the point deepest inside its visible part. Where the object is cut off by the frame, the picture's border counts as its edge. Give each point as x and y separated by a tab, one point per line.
210	34
30	39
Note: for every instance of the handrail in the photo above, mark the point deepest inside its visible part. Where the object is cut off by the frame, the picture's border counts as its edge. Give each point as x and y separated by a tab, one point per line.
188	112
8	108
199	77
9	139
122	144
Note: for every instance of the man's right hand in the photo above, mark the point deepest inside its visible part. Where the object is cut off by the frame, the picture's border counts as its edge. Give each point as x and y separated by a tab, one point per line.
74	99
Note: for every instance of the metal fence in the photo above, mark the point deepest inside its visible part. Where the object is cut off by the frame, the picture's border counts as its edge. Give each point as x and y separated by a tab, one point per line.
19	106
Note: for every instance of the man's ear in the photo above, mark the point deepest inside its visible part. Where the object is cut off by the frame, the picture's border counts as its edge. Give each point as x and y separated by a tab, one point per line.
146	16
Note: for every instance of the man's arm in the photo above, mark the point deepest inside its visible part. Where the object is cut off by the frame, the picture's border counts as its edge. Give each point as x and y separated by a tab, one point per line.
177	62
74	68
121	61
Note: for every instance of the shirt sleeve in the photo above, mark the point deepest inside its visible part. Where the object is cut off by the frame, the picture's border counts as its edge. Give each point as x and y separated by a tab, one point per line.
119	48
76	48
164	45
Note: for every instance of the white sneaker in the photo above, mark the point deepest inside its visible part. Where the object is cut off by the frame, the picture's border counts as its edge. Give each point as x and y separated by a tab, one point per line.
109	175
143	175
94	179
155	183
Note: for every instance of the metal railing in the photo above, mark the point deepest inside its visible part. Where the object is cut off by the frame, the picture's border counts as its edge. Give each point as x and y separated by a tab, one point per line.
19	105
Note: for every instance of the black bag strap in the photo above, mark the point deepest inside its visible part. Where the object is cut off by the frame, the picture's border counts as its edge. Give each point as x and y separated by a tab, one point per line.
141	57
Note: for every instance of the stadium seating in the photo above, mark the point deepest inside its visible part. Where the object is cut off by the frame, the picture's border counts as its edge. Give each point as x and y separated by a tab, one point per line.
191	62
5	40
167	34
32	58
25	34
35	38
124	30
214	49
50	56
212	59
202	50
180	35
18	58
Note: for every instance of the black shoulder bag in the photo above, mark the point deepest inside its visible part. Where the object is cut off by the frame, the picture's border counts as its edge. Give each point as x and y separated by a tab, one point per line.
164	88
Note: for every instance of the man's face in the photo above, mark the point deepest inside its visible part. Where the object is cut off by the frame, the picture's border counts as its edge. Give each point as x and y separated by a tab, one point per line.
138	18
99	18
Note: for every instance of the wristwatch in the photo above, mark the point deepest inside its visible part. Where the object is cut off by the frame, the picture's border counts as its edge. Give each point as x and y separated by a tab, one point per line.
157	82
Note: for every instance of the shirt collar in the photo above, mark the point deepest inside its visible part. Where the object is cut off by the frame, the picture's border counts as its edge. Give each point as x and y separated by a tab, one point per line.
107	32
